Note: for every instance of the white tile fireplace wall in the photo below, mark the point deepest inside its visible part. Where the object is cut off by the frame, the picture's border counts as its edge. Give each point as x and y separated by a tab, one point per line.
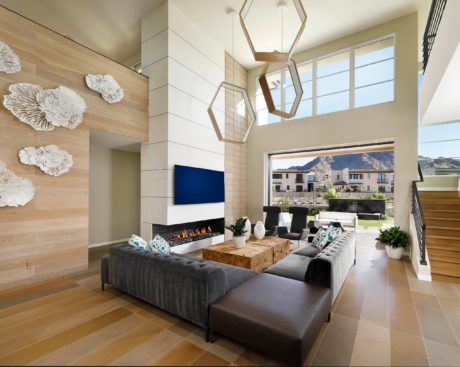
185	68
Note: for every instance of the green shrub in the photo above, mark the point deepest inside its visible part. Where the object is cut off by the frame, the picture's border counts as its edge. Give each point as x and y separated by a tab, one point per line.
314	211
394	237
331	194
379	196
286	204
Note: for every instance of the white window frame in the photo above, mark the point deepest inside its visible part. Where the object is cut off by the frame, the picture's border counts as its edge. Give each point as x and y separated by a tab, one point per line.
352	70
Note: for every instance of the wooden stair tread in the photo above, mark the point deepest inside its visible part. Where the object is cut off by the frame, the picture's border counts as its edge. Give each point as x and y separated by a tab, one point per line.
447	219
445	278
444	259
444	268
442	227
443	247
439	194
441	237
444	210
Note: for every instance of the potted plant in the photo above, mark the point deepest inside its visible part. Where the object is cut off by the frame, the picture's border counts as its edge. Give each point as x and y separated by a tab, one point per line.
238	230
395	241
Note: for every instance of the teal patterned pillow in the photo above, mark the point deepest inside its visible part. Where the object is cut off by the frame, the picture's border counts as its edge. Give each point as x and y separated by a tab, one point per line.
333	232
137	241
159	245
320	239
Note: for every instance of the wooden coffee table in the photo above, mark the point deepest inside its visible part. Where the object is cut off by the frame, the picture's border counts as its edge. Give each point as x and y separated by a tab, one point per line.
280	246
256	255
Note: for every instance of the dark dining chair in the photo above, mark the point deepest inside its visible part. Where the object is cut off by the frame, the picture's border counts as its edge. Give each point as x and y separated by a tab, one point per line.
299	230
272	220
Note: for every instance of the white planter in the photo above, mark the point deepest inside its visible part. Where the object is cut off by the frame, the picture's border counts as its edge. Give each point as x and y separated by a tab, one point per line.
259	230
239	241
394	253
247	227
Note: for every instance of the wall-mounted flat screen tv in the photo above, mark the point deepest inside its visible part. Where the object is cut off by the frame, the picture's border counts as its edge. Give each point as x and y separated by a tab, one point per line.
198	186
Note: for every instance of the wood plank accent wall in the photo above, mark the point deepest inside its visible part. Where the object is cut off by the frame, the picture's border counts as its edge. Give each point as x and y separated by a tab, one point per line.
49	236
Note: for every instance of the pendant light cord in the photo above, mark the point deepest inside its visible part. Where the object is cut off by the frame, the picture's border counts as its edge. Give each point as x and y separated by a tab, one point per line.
282	28
233	73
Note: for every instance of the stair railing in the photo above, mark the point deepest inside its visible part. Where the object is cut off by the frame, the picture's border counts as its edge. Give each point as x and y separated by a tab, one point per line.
431	29
419	218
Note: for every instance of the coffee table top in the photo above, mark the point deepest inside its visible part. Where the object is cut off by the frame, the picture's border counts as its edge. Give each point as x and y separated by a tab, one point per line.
227	247
269	241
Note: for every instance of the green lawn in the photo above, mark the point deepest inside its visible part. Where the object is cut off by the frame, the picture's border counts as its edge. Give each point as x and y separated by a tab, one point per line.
365	223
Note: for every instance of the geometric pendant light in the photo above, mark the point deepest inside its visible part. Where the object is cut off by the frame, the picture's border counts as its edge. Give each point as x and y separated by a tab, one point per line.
292	67
243	105
272	56
251	114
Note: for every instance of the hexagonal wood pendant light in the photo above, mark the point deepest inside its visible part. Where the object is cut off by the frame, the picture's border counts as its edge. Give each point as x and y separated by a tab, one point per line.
251	113
292	67
273	56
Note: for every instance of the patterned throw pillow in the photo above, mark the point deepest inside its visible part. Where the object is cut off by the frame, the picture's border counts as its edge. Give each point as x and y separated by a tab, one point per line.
159	245
320	239
333	232
137	241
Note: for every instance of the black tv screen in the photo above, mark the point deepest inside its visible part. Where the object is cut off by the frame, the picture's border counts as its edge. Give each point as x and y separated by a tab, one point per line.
198	185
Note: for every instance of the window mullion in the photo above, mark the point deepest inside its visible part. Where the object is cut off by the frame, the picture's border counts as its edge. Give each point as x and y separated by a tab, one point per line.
283	94
352	78
314	82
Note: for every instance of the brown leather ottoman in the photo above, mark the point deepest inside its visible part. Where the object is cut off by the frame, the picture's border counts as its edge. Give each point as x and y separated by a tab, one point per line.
277	316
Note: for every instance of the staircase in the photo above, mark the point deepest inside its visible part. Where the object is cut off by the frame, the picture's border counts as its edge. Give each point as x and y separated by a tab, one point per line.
441	210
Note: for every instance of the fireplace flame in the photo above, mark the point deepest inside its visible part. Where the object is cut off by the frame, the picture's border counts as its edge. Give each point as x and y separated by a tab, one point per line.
192	233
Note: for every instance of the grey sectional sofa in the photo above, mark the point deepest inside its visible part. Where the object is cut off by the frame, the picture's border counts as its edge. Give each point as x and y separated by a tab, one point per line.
328	268
179	284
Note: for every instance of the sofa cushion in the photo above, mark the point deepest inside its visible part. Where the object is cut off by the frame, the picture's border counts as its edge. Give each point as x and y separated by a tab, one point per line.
320	239
310	251
277	316
291	236
235	275
336	215
293	267
333	232
137	241
159	245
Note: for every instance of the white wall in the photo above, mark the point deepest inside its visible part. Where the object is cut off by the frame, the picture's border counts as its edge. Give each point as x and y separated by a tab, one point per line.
185	68
100	199
439	93
114	194
395	121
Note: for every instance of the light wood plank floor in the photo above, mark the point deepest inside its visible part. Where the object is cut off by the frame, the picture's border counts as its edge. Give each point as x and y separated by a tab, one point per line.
383	316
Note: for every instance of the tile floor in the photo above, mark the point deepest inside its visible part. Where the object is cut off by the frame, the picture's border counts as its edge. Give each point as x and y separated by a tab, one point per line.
383	316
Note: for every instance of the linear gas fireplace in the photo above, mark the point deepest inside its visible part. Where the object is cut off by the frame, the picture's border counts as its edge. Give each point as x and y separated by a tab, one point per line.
190	233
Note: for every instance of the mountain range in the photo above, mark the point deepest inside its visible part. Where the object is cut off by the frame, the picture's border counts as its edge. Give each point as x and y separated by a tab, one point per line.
371	161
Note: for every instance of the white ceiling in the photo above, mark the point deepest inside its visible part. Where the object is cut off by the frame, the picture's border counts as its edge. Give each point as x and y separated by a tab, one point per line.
113	141
112	27
327	20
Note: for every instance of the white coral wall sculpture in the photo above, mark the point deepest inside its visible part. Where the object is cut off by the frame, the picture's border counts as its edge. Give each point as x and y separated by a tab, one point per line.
9	61
109	88
14	190
45	109
50	159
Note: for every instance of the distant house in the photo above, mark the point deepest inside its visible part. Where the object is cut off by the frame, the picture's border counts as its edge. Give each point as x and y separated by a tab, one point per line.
359	180
286	180
364	180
